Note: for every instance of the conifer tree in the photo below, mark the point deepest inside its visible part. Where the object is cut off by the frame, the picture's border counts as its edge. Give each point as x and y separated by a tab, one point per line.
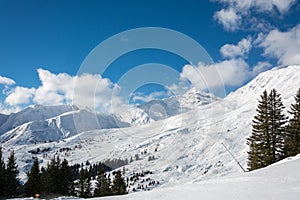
268	130
292	141
259	141
2	174
119	185
103	185
33	185
84	184
66	179
12	181
277	126
52	176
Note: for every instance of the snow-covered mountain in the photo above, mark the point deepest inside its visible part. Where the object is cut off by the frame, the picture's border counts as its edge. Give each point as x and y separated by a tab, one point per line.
161	109
32	113
187	147
52	123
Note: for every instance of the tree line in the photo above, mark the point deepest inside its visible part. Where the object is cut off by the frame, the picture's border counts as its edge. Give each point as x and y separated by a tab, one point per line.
274	136
59	179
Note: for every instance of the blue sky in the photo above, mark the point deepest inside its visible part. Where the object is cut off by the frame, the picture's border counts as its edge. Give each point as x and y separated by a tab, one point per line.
43	45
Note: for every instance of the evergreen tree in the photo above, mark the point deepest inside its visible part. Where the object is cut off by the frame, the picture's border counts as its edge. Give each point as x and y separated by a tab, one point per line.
103	185
33	185
12	181
266	142
52	177
66	179
277	126
84	184
119	185
259	141
2	175
292	141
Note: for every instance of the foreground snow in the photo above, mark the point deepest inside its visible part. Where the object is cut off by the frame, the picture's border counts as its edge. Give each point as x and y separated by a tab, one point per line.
280	181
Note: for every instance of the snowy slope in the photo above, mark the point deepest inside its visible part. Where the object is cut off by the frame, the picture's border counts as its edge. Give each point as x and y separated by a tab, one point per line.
3	118
187	147
276	182
33	113
48	124
161	109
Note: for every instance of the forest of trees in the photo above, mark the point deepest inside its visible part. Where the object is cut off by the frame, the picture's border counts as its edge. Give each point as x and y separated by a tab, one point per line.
273	137
59	179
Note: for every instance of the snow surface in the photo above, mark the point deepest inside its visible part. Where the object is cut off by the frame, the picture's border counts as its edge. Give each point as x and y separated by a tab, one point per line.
280	181
190	159
277	182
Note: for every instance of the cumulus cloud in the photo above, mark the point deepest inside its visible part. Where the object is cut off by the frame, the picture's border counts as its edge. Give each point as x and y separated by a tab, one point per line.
208	77
260	67
240	50
19	95
152	96
228	18
86	90
241	14
216	77
285	46
283	6
6	81
95	92
54	88
8	110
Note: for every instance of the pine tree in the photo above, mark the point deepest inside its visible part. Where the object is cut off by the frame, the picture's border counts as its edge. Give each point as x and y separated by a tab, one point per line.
51	179
66	179
292	141
33	185
103	185
268	131
259	141
277	126
84	184
119	185
12	181
2	175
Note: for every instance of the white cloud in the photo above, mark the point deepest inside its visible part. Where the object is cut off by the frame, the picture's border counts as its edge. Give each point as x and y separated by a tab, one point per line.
285	46
260	67
241	14
229	72
228	18
259	5
6	81
19	95
8	110
239	50
95	92
283	5
84	90
152	96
